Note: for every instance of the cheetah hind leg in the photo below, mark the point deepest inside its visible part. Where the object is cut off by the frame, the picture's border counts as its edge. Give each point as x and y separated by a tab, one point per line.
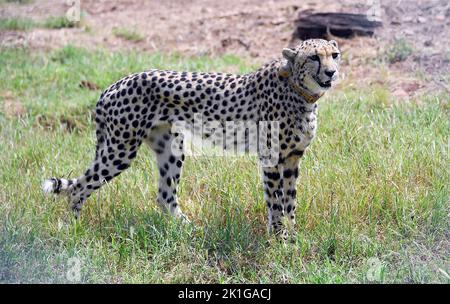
170	158
110	160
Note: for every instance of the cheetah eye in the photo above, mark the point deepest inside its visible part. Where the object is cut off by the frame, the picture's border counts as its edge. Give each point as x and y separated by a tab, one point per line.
335	55
314	58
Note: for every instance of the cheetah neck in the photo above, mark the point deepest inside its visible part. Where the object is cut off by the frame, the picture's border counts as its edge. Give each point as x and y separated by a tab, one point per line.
298	89
308	97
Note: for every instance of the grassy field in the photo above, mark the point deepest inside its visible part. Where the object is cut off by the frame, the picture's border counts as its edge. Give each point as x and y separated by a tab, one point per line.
373	195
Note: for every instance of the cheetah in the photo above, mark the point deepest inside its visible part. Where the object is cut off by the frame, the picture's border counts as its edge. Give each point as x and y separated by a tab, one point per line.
143	107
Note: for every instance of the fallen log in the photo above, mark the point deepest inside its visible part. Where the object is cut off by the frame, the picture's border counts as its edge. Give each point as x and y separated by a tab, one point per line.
322	25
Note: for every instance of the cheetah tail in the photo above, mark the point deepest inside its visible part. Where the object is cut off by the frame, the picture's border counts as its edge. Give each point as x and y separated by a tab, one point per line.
57	185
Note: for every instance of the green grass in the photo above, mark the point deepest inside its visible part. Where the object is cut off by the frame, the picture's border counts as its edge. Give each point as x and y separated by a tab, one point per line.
17	24
58	23
127	34
400	50
16	1
25	24
374	184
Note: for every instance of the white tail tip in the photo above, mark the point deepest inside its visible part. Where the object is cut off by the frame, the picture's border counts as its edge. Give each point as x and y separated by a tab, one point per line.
48	186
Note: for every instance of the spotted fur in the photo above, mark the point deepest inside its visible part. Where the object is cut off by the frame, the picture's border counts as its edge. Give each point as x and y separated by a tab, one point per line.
142	108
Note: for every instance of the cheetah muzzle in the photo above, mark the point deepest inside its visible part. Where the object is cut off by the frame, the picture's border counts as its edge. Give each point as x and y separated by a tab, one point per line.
143	107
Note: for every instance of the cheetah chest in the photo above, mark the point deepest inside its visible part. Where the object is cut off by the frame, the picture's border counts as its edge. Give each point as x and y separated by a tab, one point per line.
305	130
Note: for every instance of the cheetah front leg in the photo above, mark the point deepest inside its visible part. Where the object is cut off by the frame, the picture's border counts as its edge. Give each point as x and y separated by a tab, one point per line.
280	193
290	174
273	194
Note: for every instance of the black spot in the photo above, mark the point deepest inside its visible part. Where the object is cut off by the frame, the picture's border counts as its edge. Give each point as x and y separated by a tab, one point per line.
272	175
132	155
162	172
122	166
288	173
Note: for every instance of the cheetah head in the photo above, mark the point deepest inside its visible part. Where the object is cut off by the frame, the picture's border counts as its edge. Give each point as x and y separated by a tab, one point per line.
312	65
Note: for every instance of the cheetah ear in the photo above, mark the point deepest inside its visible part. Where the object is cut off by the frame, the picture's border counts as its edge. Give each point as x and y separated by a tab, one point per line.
333	42
289	55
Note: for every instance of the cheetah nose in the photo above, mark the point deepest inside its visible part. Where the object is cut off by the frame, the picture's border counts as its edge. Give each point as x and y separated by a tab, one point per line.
330	73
